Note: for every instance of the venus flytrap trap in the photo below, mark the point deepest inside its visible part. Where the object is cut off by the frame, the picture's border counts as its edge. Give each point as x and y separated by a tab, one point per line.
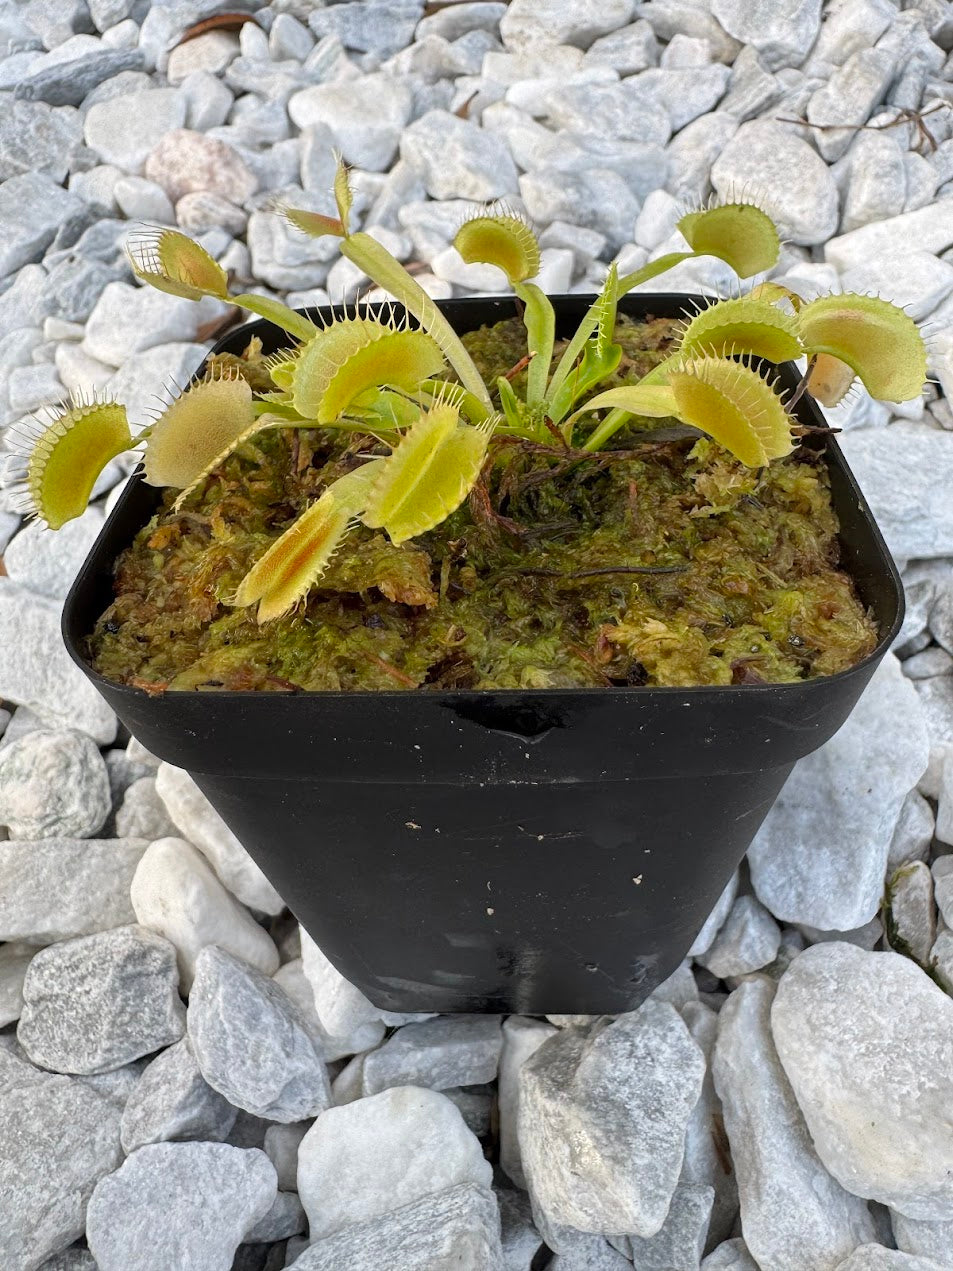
434	468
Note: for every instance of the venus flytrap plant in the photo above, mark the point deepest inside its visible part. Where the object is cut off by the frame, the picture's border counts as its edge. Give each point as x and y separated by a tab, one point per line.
415	419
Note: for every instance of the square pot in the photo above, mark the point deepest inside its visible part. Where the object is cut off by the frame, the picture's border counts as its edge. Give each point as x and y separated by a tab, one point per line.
546	851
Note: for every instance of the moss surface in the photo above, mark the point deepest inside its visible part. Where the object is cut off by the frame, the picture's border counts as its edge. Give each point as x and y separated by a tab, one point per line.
661	562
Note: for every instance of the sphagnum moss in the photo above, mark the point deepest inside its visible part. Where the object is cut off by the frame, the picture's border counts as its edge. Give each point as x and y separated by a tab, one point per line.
657	563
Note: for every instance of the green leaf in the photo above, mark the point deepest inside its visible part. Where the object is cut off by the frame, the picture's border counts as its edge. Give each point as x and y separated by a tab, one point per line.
354	356
880	342
428	475
539	319
740	234
503	240
69	454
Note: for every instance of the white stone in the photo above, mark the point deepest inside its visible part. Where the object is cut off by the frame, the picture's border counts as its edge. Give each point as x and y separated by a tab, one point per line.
578	22
14	960
909	916
53	784
451	1050
179	1205
680	1240
896	470
284	257
210	52
786	175
692	152
731	1255
201	211
367	1158
793	1214
781	32
123	130
208	101
53	889
80	372
32	208
522	1037
201	825
457	159
128	320
926	229
925	1239
341	1007
598	199
716	919
943	887
143	200
58	1137
848	97
364	116
864	1039
364	1037
171	1101
476	277
633	110
820	856
687	92
251	1042
289	38
707	1161
176	893
97	1002
916	281
602	1120
914	833
879	1258
748	941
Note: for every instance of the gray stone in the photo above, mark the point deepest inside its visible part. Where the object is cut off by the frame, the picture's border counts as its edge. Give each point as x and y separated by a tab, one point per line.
364	116
14	960
251	1042
201	825
589	1253
179	1205
73	286
924	666
53	785
941	960
130	319
172	1100
32	207
475	1105
364	1036
944	819
522	1037
851	26
73	1259
452	1050
53	889
681	1238
96	1002
137	380
285	1218
707	1162
628	50
909	915
916	281
143	200
106	127
820	856
925	1239
455	1227
284	257
602	1120
381	27
633	110
36	138
895	469
598	199
751	88
67	83
363	1160
519	1238
281	1145
208	101
201	211
793	1213
577	22
785	174
670	18
142	813
926	229
748	941
289	38
687	92
693	151
457	159
848	98
782	34
57	1139
914	833
877	1258
862	1037
943	886
716	919
29	387
732	1255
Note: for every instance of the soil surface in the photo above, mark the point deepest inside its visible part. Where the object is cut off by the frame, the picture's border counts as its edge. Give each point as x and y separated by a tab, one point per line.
661	562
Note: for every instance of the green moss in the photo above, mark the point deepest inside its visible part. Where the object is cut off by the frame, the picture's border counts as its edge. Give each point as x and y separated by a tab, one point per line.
662	562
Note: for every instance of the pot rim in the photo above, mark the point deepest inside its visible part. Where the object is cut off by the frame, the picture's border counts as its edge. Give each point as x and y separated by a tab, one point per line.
805	406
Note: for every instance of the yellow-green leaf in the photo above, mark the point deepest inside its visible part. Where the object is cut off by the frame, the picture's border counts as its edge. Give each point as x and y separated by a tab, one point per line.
735	406
170	261
342	193
198	431
69	454
742	325
355	355
429	474
875	338
737	233
503	240
291	566
313	223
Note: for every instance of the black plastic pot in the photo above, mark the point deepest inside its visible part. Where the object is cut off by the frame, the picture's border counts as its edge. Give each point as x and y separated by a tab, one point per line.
546	851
